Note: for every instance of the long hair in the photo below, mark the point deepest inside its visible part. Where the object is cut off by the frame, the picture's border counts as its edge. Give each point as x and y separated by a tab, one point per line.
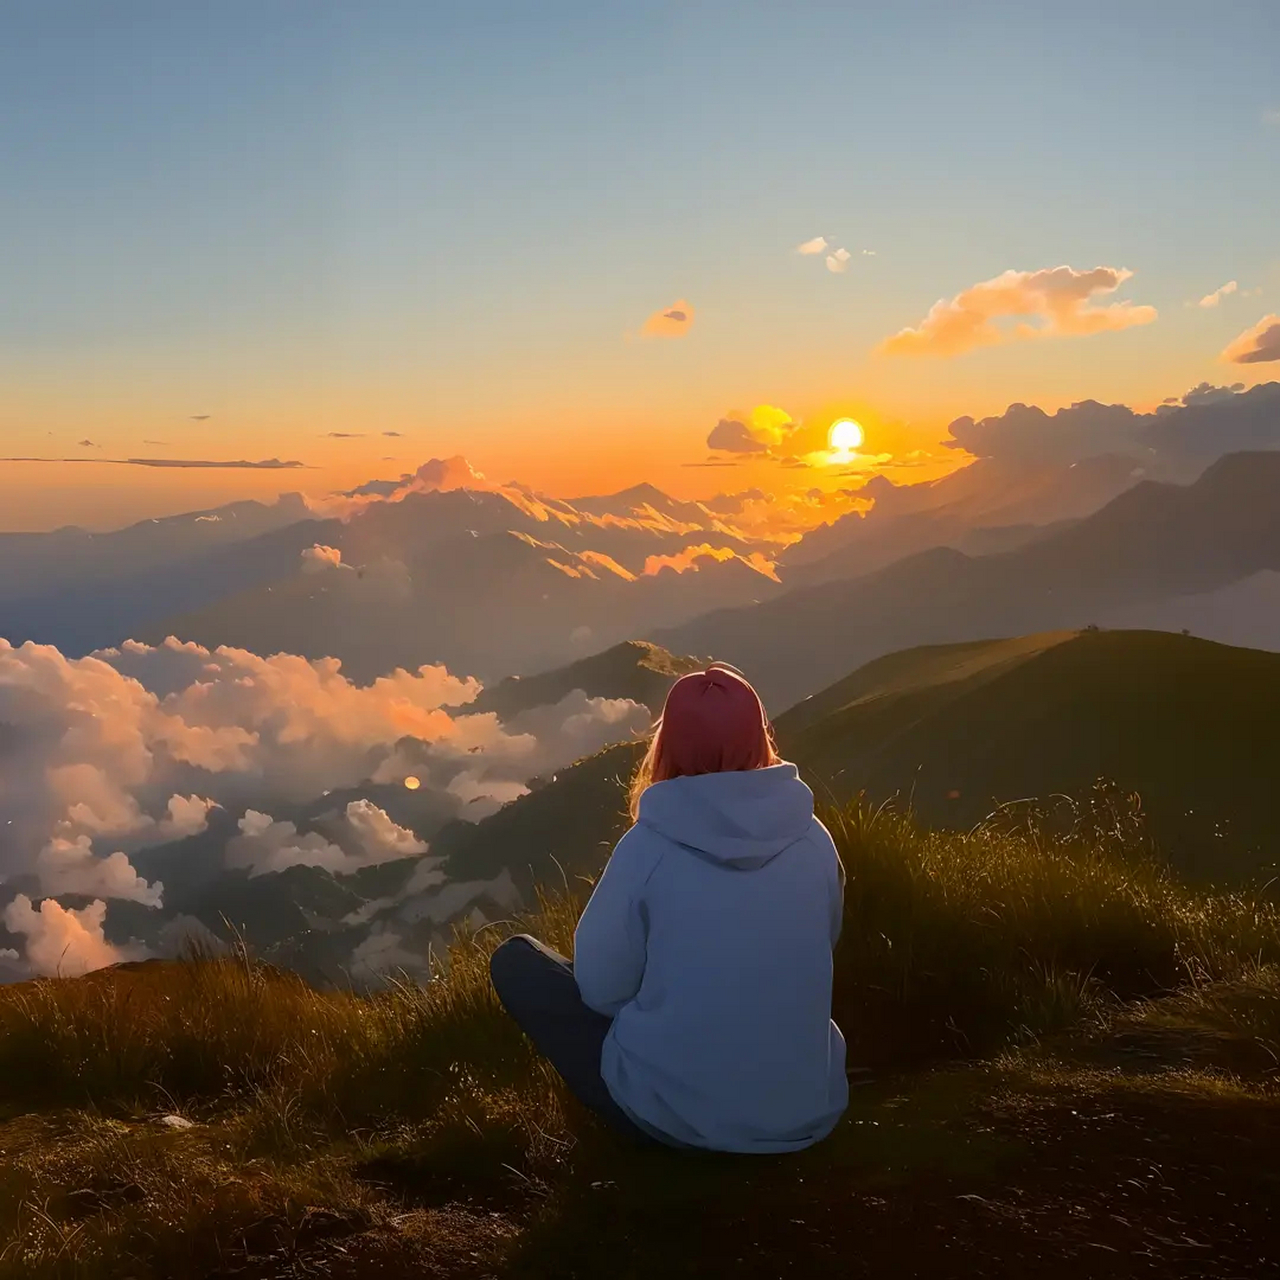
712	722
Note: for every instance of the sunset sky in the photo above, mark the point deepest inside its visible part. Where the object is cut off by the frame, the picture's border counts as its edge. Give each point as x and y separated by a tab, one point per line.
564	239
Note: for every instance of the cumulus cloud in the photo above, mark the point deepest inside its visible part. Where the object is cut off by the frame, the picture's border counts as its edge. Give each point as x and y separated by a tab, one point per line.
671	322
732	504
130	747
1028	433
836	258
1059	300
1212	299
1257	345
62	942
485	763
135	744
69	866
378	836
437	475
319	558
761	431
265	845
731	436
1207	393
1203	424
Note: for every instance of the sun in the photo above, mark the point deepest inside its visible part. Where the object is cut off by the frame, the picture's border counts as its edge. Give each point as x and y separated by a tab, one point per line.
845	435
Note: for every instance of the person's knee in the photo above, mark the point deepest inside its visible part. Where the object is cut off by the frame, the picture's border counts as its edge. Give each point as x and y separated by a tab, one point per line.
509	960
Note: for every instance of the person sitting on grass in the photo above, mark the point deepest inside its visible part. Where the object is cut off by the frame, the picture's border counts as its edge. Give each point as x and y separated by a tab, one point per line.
697	1009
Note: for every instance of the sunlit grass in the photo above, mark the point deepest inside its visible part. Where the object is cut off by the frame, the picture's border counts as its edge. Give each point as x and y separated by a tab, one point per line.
1047	953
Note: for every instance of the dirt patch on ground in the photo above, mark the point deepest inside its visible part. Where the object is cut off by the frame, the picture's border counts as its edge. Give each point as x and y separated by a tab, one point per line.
1112	1187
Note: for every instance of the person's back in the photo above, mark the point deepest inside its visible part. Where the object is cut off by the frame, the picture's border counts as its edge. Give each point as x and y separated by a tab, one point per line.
697	1008
728	1043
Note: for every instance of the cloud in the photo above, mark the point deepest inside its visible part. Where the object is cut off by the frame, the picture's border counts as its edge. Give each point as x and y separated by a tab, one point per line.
1271	117
266	464
319	558
69	866
1059	298
394	435
837	259
88	444
671	322
365	837
691	559
1203	424
345	435
101	746
1207	393
1212	299
764	429
437	475
732	436
62	942
239	464
384	952
131	747
1257	345
732	504
378	835
1028	433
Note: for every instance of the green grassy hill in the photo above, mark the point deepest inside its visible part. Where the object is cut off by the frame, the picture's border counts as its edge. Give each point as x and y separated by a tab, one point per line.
954	730
1065	1065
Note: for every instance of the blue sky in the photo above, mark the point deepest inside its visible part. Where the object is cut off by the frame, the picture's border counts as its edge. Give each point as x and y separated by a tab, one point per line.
447	220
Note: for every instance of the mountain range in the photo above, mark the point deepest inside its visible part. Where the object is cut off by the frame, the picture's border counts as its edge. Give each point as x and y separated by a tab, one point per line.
953	732
1158	549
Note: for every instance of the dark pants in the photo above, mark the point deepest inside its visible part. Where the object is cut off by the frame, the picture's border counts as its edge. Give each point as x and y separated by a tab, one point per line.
537	988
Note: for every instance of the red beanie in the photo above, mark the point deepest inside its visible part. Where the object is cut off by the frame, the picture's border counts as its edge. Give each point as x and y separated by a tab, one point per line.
713	722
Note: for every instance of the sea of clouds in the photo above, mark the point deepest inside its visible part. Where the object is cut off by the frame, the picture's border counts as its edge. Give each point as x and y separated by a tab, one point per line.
132	747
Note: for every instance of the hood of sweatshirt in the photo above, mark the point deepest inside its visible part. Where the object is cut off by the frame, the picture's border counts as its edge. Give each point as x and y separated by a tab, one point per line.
740	820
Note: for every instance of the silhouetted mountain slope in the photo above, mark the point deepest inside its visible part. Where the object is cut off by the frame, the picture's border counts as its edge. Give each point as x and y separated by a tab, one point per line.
634	669
1151	543
82	591
990	505
42	561
486	604
957	729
